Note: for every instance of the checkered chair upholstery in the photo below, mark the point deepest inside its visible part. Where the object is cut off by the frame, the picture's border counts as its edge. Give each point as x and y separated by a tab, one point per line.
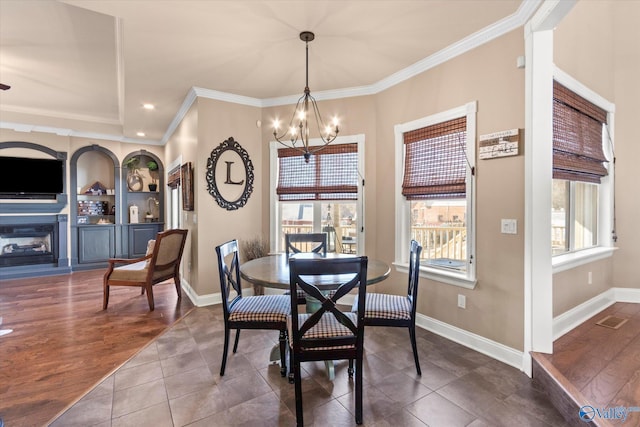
327	327
384	306
328	333
253	312
398	310
302	296
266	308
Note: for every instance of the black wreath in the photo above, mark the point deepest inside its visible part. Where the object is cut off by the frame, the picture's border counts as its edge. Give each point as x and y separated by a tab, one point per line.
212	187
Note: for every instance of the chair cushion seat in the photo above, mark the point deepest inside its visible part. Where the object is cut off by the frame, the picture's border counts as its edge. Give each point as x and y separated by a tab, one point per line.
303	295
327	327
136	272
264	308
385	306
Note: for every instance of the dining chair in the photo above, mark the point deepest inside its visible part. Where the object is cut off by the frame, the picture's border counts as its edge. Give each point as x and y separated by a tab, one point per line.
305	242
251	312
328	333
162	262
397	310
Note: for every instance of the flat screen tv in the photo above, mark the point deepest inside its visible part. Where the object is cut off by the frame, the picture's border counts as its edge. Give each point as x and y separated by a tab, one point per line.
28	177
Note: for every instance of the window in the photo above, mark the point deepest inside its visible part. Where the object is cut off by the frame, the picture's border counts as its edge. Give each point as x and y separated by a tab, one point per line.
323	195
173	182
435	204
578	171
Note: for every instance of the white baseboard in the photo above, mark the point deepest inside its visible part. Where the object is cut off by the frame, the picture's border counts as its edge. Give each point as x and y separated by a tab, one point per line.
501	352
579	314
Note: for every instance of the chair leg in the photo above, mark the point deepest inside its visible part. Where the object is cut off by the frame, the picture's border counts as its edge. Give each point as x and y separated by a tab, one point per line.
292	374
150	297
350	370
359	390
225	350
235	344
283	352
298	391
176	280
105	298
412	336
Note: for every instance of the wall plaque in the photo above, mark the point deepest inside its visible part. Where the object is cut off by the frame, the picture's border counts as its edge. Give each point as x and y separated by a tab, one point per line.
499	144
230	175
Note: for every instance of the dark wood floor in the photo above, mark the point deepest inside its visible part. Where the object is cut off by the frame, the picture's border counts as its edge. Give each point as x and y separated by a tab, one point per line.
597	366
63	343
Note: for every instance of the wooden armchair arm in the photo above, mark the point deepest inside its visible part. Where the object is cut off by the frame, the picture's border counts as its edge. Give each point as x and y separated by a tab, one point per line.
113	261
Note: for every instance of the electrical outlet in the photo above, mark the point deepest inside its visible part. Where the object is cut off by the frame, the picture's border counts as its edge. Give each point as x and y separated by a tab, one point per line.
590	278
462	301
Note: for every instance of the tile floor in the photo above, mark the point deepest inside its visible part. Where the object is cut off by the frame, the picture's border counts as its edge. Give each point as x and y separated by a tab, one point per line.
175	381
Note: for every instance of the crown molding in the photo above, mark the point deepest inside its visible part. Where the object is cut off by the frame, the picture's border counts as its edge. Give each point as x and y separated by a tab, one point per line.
519	18
20	127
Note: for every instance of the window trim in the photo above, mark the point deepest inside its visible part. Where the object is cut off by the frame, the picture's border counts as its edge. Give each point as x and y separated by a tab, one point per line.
274	212
605	246
466	279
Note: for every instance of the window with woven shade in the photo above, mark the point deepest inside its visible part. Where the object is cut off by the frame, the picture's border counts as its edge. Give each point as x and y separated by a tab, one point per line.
319	196
577	137
579	167
435	161
435	203
173	178
330	174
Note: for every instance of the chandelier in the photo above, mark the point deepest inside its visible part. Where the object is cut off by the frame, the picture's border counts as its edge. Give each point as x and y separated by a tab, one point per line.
297	136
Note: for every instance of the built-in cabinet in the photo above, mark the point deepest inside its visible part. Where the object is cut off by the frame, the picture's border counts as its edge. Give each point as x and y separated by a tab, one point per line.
95	215
143	200
103	192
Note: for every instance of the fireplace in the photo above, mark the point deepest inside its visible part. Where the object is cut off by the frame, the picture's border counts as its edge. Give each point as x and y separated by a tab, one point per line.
28	244
33	245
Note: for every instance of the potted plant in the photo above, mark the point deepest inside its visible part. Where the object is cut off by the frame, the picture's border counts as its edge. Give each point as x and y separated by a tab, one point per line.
134	180
153	173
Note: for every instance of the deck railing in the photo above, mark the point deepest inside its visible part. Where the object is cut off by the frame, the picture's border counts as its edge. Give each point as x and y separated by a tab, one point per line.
437	242
441	242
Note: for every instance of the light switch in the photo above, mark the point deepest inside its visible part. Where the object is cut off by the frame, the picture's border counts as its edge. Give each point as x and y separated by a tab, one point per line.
509	226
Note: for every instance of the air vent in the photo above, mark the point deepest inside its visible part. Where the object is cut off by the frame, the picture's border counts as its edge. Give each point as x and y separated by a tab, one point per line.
612	322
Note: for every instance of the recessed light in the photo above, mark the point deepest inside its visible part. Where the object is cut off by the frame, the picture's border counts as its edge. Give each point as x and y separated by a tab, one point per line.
141	134
148	106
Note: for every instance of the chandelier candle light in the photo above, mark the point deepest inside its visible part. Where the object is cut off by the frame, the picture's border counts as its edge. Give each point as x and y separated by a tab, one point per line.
298	134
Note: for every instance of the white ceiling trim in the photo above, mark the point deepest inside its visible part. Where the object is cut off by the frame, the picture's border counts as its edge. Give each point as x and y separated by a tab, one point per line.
493	31
519	18
19	127
49	113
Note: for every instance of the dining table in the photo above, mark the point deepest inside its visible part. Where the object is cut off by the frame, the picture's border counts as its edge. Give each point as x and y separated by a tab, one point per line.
272	271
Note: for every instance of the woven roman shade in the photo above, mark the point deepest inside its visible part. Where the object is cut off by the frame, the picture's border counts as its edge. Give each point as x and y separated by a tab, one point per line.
331	174
435	161
577	137
173	180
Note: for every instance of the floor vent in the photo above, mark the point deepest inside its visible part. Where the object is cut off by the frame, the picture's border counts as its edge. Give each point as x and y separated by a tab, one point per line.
612	322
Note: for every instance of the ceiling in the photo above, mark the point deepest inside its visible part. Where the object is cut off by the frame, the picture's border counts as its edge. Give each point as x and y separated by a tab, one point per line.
86	67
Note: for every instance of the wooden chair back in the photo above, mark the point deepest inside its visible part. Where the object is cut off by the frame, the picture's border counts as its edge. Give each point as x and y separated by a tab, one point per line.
306	242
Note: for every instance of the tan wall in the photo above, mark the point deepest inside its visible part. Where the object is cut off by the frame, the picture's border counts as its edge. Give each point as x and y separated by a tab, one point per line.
217	121
487	75
184	144
626	15
597	44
